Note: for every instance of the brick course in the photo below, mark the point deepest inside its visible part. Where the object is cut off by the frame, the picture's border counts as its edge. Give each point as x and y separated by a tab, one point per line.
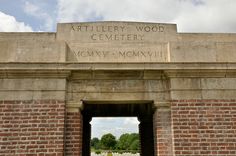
73	134
204	127
32	128
163	132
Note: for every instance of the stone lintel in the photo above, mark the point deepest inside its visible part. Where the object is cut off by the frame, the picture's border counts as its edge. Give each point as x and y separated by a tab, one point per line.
118	102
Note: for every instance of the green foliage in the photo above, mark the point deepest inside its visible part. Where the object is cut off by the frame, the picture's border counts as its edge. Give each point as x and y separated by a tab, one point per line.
123	142
126	142
95	143
134	145
108	141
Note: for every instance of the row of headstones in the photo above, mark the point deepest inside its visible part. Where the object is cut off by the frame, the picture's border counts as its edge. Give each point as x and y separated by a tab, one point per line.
115	154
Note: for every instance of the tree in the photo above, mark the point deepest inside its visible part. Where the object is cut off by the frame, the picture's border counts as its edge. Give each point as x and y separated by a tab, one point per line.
123	143
128	142
135	145
95	143
108	141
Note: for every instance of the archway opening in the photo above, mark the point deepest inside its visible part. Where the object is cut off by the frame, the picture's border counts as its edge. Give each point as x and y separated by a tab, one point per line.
143	110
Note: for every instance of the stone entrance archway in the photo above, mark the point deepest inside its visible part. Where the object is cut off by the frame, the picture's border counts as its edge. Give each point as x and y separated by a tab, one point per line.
191	79
144	110
137	93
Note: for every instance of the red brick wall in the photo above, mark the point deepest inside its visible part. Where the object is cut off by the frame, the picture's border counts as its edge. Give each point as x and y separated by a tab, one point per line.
189	127
204	127
29	128
73	134
163	132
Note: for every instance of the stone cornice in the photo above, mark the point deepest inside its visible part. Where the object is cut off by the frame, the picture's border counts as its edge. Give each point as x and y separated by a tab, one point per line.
64	70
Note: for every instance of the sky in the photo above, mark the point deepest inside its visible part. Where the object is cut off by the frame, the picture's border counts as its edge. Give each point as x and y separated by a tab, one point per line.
217	16
114	125
189	15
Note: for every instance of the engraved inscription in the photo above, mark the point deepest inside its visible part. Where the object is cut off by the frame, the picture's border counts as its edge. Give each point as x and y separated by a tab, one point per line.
116	37
117	32
153	53
119	42
155	28
86	28
118	54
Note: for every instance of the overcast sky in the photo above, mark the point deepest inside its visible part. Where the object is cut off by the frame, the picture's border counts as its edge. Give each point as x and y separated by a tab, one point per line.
189	15
116	126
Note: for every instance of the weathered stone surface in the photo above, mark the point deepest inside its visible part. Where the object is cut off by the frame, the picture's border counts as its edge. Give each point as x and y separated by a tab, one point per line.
32	51
193	52
203	88
27	36
32	84
206	37
117	86
203	51
32	89
203	83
